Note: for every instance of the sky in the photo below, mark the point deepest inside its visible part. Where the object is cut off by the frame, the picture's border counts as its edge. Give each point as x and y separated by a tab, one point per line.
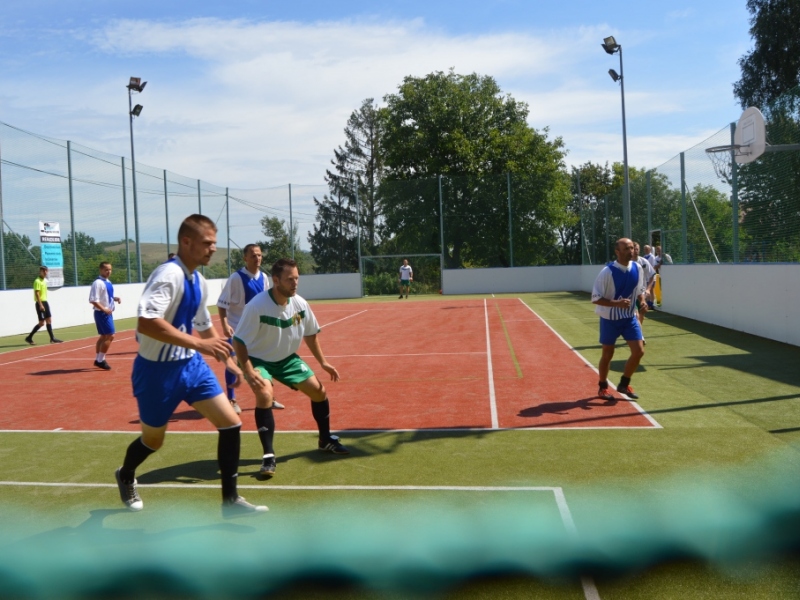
254	94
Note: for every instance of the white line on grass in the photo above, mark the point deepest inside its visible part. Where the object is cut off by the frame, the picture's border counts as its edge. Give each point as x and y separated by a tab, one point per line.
653	422
492	397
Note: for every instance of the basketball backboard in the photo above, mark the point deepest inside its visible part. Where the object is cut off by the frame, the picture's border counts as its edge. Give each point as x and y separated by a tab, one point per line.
750	136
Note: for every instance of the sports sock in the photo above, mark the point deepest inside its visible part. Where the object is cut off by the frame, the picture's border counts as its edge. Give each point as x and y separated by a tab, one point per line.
101	356
228	449
322	415
624	381
137	453
265	425
603	384
50	331
34	330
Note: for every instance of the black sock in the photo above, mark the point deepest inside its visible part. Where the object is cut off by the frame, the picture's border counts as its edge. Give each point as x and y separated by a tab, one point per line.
137	453
603	384
228	449
265	425
50	331
624	381
34	330
322	415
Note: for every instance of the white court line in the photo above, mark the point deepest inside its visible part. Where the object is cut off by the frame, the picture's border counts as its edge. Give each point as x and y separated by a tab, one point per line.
13	362
492	397
653	422
343	318
589	588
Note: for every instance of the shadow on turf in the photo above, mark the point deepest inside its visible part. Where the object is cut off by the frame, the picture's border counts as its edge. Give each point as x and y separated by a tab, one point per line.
563	408
64	371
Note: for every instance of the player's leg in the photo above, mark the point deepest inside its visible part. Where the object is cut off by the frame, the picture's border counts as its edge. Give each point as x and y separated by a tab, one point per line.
152	439
48	319
321	411
38	326
608	339
633	336
265	419
230	380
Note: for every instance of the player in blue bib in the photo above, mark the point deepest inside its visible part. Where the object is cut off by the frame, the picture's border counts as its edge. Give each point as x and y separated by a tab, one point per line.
102	298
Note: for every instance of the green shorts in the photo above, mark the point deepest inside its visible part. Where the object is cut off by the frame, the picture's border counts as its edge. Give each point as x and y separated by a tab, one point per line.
405	282
289	371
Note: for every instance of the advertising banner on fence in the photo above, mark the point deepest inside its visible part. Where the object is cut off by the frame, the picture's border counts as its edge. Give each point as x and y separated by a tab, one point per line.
52	257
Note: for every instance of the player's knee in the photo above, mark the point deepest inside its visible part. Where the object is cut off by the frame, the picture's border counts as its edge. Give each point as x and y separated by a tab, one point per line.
154	443
638	351
318	394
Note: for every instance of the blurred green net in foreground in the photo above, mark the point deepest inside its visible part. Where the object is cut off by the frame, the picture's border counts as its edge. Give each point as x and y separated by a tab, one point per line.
397	541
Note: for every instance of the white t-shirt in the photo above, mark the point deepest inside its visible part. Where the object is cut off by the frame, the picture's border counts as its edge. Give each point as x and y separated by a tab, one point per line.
406	273
604	288
651	258
648	268
272	332
99	293
232	298
161	298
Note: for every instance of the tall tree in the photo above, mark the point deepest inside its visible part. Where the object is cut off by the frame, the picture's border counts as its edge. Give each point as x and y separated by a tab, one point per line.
279	243
334	238
772	67
463	128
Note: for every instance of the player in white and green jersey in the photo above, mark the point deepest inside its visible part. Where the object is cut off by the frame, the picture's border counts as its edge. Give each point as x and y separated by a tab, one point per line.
266	340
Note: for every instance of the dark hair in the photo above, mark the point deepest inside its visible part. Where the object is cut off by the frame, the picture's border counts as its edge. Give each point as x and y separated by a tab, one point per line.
43	268
194	225
249	247
283	263
105	262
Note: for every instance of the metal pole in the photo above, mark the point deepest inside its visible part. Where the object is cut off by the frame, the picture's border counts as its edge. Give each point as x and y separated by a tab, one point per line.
684	242
135	197
125	219
626	199
199	199
291	223
166	209
441	217
649	209
605	203
2	233
228	226
735	199
358	235
72	212
510	230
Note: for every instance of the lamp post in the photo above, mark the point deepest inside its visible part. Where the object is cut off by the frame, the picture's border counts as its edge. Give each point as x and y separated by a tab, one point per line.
611	46
136	85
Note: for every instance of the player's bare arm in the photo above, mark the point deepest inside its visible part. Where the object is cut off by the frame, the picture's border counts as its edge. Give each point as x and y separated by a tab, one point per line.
227	330
253	378
313	345
619	303
163	331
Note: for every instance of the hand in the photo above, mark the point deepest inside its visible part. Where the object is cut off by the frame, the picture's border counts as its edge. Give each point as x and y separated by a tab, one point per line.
108	311
623	302
227	330
117	300
254	379
232	367
216	347
331	370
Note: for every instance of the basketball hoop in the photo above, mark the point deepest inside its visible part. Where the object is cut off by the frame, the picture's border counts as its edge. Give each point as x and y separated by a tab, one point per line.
723	156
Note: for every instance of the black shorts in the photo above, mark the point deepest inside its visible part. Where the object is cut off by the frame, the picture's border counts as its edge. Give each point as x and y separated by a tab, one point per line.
43	313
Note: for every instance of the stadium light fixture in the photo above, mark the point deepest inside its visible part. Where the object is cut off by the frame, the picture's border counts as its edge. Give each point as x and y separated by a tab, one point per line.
611	46
135	85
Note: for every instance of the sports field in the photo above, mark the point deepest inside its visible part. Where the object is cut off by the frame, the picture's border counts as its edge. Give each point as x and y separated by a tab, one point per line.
481	465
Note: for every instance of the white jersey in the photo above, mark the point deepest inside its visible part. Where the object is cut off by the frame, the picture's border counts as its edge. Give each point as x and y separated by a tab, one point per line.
406	273
272	332
233	297
99	293
163	298
604	288
651	258
650	272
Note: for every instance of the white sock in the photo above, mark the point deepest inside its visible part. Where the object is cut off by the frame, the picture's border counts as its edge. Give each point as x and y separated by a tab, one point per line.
101	356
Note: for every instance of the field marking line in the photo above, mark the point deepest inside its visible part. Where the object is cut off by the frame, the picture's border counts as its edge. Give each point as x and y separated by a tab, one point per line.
589	588
508	341
343	318
13	362
492	397
643	412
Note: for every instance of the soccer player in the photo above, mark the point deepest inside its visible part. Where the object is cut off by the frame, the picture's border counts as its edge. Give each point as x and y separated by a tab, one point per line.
169	367
615	291
102	298
650	280
241	287
406	277
42	307
266	341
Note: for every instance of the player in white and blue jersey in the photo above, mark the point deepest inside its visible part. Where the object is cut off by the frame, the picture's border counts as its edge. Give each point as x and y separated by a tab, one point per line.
615	292
169	367
102	298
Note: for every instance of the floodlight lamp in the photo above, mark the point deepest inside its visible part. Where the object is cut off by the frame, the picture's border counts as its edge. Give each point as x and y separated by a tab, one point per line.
136	84
610	45
137	110
614	75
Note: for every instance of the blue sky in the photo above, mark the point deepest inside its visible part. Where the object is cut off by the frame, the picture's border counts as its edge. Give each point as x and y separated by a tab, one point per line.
254	94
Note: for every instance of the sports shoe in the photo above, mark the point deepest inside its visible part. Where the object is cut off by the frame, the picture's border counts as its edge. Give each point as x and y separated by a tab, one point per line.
30	341
236	408
628	391
56	341
102	365
605	393
333	445
268	465
400	297
128	493
240	508
277	405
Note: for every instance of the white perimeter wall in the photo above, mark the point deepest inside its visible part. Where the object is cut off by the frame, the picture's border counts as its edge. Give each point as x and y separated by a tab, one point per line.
754	298
70	305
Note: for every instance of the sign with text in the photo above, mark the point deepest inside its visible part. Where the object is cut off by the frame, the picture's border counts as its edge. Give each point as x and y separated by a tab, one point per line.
52	256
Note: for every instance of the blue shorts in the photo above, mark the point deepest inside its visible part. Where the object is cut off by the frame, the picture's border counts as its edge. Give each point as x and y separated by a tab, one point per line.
628	328
104	322
159	387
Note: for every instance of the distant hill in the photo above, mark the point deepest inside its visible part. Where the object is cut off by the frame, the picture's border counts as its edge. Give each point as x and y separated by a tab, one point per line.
158	252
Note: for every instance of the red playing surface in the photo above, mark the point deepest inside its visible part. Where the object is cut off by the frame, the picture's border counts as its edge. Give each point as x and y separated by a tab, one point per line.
404	365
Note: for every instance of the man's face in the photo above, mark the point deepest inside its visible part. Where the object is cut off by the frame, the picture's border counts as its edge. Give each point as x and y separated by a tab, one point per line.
635	251
624	251
105	271
43	273
253	259
286	284
200	248
405	262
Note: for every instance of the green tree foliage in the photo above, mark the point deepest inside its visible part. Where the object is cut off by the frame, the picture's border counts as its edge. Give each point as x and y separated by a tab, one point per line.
334	240
709	236
22	261
463	128
279	245
772	67
591	183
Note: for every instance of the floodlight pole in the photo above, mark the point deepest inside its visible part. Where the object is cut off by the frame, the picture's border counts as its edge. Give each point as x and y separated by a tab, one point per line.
131	87
611	47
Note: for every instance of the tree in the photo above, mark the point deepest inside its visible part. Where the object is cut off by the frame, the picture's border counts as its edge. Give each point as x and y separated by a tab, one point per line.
353	184
591	184
462	128
772	67
279	244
